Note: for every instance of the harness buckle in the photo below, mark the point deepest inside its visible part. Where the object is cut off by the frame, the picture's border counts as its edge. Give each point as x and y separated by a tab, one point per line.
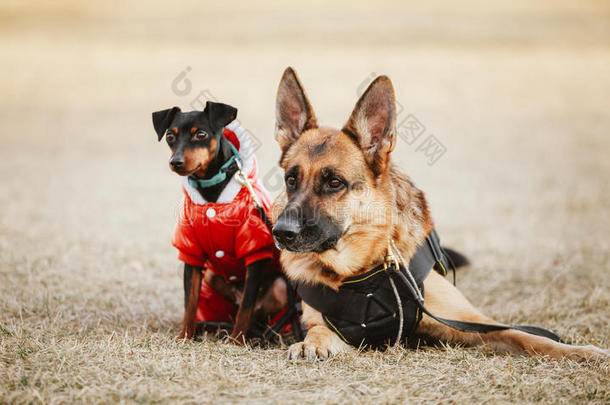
391	259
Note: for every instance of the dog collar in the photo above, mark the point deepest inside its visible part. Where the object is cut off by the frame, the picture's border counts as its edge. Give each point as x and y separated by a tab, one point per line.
218	177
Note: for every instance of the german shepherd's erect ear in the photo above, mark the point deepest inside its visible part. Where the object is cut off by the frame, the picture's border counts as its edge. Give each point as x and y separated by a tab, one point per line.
293	112
373	123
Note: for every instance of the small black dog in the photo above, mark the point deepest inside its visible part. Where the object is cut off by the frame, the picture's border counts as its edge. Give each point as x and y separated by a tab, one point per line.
219	236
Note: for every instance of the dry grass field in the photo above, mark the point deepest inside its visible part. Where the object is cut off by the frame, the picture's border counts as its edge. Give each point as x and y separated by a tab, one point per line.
90	291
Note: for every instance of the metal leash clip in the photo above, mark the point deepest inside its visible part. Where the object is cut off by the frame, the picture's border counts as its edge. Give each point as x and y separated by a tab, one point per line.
244	181
391	259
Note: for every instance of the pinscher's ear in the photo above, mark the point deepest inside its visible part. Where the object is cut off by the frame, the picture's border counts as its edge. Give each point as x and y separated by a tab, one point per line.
162	119
219	114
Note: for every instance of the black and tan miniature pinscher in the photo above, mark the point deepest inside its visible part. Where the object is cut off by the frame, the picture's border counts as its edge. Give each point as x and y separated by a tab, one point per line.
201	151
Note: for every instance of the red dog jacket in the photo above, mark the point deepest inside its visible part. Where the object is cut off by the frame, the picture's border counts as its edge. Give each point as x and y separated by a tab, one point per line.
227	235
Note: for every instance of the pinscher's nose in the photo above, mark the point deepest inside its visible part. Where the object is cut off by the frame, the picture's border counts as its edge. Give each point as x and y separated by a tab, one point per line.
176	162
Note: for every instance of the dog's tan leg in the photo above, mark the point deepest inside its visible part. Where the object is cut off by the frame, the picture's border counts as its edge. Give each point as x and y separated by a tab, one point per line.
444	300
190	313
320	342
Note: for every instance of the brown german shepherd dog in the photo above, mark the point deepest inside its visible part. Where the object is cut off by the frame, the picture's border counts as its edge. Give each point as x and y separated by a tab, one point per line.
333	179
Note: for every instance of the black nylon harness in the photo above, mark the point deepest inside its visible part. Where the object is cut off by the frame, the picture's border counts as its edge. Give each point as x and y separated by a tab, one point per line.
365	311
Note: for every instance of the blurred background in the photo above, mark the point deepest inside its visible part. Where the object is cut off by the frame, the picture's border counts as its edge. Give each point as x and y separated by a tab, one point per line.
514	92
504	122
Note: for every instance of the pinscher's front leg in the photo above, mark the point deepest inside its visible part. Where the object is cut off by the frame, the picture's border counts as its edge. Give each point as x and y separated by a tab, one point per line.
192	289
243	320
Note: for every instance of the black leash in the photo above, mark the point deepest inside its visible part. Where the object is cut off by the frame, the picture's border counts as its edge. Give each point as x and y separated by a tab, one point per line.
451	264
463	326
264	217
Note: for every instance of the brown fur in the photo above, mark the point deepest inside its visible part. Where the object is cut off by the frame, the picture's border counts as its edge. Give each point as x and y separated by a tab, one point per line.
188	321
383	204
370	210
197	160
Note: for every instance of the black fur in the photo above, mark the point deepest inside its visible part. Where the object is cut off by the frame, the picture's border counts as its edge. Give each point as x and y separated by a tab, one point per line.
212	120
162	120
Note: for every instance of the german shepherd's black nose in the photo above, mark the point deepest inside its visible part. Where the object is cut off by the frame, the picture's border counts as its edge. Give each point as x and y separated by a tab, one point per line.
286	230
302	230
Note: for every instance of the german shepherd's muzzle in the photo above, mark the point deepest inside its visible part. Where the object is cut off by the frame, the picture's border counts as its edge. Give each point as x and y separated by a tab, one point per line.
345	203
302	228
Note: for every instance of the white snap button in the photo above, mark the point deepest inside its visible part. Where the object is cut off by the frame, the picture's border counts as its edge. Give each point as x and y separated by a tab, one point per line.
211	212
220	254
232	278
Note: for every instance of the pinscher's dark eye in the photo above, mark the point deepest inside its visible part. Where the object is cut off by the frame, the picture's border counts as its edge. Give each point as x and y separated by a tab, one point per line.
291	182
335	184
170	138
200	136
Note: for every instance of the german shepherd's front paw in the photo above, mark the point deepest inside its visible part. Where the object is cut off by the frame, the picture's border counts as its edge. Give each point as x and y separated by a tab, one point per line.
320	343
311	352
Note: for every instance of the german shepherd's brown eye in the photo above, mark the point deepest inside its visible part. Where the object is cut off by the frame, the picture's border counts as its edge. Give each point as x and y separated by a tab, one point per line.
335	184
170	138
291	181
200	136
